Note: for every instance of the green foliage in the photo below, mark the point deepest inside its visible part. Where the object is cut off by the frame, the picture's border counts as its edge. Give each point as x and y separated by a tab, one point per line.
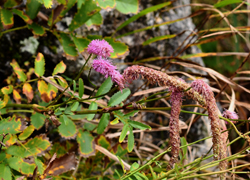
118	97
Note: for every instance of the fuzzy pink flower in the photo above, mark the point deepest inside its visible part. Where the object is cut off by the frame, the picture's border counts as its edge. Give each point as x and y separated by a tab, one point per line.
108	70
230	115
101	48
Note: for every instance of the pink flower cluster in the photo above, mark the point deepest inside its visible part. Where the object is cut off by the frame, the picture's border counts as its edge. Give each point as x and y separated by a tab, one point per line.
102	49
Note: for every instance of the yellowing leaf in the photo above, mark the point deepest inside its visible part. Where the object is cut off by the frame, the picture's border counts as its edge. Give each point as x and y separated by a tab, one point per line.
60	68
4	101
6	18
43	89
17	96
7	89
20	74
28	91
39	65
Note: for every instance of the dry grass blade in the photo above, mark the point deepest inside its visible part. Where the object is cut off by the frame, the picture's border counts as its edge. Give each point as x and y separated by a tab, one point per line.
232	102
111	156
147	91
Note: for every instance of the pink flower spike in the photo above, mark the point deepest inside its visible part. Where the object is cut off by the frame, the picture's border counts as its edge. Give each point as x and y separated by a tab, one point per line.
108	70
101	48
230	115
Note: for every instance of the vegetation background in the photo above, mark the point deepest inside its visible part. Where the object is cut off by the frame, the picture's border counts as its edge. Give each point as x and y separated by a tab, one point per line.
62	120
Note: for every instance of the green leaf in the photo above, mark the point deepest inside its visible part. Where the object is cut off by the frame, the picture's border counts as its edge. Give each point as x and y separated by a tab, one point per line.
158	38
62	81
32	8
60	68
142	13
19	72
7	18
86	143
89	126
120	160
226	2
93	106
67	129
124	132
103	141
120	49
81	87
105	87
26	133
94	20
74	86
37	120
5	172
118	97
10	3
104	121
127	6
80	3
47	3
139	125
36	29
74	106
85	13
81	43
23	167
24	16
183	151
7	89
131	140
11	125
40	165
68	46
106	4
39	65
61	148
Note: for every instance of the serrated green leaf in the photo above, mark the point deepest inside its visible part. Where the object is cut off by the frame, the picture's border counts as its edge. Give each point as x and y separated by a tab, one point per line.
94	20
26	133
86	143
106	4
93	106
127	6
36	29
60	68
81	43
104	121
7	89
103	141
158	38
19	165
87	10
11	125
32	8
131	140
226	2
81	87
37	120
118	97
142	13
19	72
61	148
24	16
120	49
139	125
124	132
5	172
105	87
40	165
39	65
68	46
7	18
89	126
67	129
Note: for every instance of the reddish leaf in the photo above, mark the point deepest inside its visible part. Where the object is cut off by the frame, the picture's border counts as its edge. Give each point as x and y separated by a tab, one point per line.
60	165
17	96
28	91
